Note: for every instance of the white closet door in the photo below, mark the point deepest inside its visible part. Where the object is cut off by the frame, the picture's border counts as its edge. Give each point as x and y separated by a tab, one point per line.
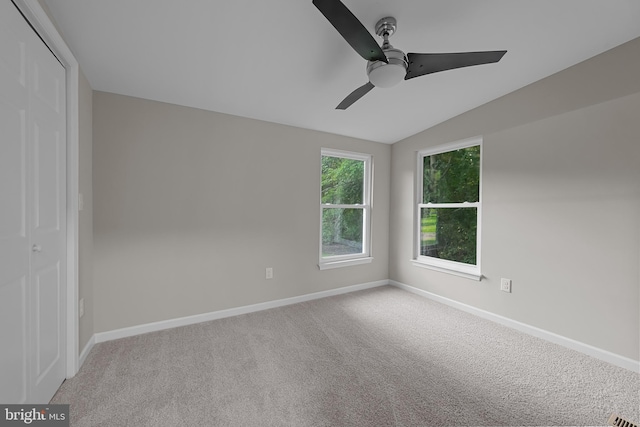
33	215
14	237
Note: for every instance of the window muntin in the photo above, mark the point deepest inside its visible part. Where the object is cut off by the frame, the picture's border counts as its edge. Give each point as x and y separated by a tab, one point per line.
345	206
449	207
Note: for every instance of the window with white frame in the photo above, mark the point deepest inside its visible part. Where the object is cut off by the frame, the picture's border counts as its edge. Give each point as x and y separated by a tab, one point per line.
345	209
448	208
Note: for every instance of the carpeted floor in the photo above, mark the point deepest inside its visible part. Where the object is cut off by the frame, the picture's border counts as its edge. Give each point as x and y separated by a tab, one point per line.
380	357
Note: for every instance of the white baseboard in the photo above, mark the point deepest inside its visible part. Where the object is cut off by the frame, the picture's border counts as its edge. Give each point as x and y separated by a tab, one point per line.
205	317
598	353
607	356
86	350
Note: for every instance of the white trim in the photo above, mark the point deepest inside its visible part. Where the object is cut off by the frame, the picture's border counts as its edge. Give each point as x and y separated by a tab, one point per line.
342	206
607	356
449	205
328	265
450	267
86	350
206	317
457	269
363	257
330	152
38	18
451	146
589	350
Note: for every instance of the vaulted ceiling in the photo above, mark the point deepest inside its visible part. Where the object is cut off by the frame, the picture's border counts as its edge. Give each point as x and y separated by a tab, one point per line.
282	61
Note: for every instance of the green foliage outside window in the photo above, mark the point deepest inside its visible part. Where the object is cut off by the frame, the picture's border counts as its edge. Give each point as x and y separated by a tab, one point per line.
451	177
342	180
342	183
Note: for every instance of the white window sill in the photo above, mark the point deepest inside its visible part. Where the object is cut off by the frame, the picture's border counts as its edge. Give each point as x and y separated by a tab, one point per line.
468	273
344	263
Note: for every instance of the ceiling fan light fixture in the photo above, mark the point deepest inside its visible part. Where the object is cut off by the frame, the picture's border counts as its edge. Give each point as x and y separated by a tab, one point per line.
386	75
383	74
386	65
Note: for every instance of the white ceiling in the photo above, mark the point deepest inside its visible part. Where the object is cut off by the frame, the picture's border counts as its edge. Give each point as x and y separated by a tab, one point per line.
282	61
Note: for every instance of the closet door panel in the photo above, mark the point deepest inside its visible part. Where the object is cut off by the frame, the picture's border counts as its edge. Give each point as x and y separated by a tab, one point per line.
32	214
14	228
47	125
47	322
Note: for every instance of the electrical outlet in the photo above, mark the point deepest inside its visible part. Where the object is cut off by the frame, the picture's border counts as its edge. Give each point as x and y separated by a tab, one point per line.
269	274
81	307
80	202
505	285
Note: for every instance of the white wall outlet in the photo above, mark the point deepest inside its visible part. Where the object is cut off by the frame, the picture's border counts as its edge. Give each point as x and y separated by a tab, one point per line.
81	307
505	285
80	202
269	274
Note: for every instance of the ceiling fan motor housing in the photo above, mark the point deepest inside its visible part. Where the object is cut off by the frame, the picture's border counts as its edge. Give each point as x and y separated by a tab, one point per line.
382	74
386	65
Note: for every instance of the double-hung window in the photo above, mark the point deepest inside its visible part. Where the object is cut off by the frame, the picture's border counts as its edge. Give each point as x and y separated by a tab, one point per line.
345	209
448	208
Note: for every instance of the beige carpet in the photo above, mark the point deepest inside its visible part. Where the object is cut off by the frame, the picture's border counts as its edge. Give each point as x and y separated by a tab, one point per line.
381	357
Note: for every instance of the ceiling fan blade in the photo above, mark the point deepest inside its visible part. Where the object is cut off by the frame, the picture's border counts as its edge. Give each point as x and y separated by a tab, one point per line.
351	29
427	63
355	95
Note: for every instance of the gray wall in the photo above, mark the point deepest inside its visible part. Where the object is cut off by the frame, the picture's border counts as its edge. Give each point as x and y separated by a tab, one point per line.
561	204
191	206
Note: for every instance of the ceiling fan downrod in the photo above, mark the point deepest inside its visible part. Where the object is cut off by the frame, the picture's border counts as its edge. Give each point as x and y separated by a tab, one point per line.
386	65
387	74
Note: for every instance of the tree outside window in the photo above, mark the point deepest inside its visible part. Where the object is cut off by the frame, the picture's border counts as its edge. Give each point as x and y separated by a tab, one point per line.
345	206
449	206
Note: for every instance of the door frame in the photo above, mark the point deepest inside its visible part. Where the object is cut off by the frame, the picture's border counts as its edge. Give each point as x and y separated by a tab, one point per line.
40	21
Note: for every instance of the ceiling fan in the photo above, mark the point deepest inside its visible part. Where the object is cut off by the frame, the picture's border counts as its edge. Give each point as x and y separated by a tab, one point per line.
386	65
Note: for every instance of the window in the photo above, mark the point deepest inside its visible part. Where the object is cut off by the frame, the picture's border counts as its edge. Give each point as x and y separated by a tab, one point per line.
345	209
449	208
